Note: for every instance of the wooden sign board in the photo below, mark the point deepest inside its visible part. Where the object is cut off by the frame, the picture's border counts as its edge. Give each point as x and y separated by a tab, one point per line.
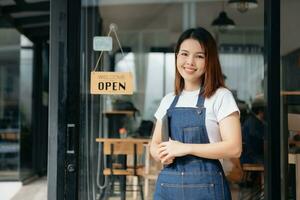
111	83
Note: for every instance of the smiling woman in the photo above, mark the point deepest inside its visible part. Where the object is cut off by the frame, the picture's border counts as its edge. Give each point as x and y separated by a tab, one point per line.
204	124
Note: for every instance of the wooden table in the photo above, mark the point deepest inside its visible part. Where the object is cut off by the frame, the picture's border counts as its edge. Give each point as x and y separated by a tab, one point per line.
130	142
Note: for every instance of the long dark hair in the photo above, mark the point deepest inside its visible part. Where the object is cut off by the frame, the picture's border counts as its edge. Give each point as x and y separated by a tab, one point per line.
212	78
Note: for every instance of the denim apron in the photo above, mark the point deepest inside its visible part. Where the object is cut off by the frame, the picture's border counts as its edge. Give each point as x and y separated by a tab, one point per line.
191	177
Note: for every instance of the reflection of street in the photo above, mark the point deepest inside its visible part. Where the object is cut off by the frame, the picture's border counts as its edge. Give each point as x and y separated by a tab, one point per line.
9	152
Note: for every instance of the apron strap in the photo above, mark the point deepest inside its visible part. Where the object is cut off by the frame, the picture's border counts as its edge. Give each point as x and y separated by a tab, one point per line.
201	98
174	102
200	101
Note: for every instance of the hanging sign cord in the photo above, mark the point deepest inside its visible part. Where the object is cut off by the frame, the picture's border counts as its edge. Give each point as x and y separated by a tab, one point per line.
112	28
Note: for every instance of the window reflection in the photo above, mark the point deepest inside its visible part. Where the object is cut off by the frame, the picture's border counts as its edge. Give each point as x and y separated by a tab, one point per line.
15	87
250	68
160	75
9	103
150	30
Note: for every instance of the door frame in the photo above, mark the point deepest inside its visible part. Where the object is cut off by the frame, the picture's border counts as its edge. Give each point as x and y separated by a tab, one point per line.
273	157
64	99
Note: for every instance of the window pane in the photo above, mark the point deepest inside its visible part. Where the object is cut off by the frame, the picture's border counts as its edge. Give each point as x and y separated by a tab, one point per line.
148	31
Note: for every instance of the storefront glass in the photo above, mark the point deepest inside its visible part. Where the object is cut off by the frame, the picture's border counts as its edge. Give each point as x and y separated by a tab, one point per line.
290	93
148	31
16	70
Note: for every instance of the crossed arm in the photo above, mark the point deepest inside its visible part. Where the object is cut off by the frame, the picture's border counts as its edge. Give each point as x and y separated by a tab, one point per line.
229	147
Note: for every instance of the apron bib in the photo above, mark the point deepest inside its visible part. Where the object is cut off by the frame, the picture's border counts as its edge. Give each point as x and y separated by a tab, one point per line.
191	177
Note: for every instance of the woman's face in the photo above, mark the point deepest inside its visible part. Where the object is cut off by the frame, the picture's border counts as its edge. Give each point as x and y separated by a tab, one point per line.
191	61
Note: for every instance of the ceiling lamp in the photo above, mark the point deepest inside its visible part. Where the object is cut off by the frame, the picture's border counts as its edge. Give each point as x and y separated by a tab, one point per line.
243	5
223	22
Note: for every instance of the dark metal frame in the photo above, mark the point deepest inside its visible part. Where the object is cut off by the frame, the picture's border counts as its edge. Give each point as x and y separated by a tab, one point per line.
40	111
56	147
273	148
64	101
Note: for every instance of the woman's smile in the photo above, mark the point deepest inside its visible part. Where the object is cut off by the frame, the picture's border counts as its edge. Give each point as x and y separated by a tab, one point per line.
190	70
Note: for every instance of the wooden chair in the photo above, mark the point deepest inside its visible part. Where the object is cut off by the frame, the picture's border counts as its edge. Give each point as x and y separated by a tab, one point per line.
125	150
248	170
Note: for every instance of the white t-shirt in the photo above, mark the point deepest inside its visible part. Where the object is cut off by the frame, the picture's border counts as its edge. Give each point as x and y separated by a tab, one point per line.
218	106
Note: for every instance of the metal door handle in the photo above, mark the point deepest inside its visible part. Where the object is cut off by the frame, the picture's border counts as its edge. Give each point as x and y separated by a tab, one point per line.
70	138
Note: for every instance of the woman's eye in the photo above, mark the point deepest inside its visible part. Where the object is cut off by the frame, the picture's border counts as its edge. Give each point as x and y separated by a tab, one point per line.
184	54
200	56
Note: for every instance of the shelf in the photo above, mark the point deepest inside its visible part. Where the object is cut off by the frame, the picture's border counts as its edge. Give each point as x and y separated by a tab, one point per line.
127	140
119	112
290	93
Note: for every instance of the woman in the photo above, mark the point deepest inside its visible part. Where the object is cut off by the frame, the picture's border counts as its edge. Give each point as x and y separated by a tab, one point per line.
204	124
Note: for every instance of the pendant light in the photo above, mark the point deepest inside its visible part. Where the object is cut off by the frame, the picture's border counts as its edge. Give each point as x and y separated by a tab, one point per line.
223	22
243	5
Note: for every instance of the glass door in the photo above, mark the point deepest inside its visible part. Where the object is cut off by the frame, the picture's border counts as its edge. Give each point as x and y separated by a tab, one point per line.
148	32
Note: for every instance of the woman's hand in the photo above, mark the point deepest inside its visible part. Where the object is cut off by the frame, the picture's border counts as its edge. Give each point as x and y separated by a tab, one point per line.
167	162
154	148
167	151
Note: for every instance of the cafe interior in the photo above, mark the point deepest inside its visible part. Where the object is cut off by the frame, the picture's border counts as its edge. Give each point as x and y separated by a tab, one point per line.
149	56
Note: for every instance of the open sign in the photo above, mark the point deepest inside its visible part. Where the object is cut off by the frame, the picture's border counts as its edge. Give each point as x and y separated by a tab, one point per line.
111	83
